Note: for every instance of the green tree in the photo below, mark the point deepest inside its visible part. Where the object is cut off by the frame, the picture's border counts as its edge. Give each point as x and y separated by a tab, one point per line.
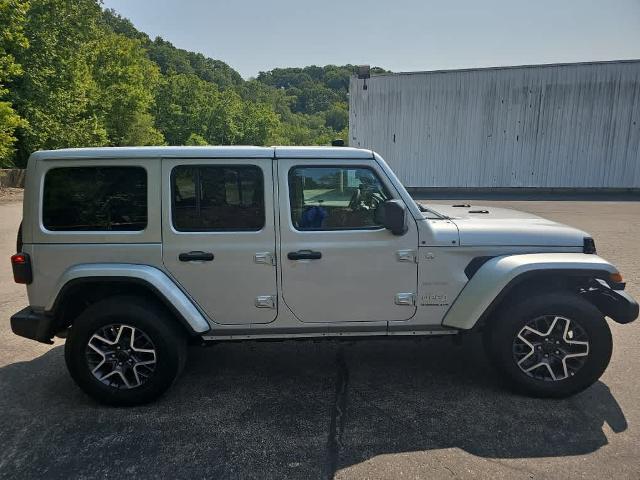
54	93
337	79
9	122
89	78
188	109
113	21
284	77
313	98
12	40
259	124
125	83
172	59
184	106
337	117
257	92
196	140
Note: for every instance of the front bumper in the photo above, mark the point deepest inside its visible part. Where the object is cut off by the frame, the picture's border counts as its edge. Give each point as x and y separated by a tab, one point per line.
615	304
34	325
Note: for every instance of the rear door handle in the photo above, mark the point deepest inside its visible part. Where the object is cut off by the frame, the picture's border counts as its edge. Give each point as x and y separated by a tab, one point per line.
195	257
304	255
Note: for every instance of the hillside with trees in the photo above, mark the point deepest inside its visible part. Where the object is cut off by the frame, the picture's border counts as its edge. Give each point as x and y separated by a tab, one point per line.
75	75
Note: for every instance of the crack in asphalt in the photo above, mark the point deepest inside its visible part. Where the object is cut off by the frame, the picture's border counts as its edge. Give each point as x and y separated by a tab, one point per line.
338	416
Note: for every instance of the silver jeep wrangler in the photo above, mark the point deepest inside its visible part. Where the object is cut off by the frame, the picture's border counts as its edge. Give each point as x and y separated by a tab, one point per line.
132	253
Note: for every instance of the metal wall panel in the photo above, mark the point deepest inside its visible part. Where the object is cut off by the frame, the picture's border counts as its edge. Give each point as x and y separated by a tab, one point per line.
552	126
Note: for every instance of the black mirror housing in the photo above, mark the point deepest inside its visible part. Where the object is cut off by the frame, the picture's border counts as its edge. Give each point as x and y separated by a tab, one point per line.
392	215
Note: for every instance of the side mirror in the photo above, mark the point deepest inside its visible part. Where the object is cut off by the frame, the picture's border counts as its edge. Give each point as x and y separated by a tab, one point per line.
392	215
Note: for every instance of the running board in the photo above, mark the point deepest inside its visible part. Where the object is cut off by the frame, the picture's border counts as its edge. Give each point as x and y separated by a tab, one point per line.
336	334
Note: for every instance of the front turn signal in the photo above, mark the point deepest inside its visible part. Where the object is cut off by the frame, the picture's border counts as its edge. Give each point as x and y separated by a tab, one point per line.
616	277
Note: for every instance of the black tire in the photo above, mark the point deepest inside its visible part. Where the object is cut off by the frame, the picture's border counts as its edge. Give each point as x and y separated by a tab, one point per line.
168	339
502	331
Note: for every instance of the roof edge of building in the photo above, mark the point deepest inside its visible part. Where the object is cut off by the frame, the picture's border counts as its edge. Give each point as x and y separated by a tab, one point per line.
509	67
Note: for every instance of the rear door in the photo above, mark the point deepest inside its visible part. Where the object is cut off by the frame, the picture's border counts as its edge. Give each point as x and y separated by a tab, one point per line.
338	263
219	236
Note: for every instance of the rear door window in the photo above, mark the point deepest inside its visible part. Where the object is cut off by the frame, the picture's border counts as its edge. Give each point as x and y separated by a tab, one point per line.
217	198
95	199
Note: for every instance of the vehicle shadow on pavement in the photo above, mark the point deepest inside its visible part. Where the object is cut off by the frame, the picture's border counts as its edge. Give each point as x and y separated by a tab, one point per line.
290	409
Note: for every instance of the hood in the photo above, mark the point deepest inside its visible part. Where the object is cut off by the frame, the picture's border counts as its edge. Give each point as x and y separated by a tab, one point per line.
481	225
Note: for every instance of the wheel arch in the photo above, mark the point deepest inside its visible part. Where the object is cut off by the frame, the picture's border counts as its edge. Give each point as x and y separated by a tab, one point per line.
542	282
501	279
84	285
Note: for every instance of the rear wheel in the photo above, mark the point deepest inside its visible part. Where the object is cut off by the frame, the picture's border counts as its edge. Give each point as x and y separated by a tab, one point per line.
551	345
125	351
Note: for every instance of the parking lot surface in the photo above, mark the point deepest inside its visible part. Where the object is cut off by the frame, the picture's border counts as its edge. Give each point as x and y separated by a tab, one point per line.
373	409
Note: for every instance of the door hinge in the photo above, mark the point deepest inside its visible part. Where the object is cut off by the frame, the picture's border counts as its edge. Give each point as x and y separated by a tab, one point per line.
266	301
265	258
407	256
405	299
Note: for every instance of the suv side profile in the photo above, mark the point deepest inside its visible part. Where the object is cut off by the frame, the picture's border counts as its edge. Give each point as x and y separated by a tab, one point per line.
133	253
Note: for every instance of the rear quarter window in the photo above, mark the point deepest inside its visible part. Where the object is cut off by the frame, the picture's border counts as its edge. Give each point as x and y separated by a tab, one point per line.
95	199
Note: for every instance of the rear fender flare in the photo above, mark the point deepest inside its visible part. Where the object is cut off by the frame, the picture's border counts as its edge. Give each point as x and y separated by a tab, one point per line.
154	279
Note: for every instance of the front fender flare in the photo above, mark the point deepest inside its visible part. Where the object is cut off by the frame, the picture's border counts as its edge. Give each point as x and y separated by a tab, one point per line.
495	278
152	277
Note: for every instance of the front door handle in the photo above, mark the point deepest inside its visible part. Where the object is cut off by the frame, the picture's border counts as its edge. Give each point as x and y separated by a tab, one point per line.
304	255
195	257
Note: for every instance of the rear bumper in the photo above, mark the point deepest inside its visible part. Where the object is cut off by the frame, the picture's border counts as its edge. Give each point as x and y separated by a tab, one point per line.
32	324
615	304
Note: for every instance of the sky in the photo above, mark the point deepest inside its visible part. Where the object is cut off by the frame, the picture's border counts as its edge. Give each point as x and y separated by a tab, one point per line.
399	35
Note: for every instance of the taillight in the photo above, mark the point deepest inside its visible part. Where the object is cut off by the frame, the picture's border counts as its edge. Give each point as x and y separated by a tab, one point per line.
21	264
19	258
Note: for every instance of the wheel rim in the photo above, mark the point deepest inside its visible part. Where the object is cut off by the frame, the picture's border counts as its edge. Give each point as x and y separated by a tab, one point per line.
551	348
121	356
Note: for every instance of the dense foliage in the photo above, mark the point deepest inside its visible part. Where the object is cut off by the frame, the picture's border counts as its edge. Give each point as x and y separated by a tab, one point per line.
12	41
72	75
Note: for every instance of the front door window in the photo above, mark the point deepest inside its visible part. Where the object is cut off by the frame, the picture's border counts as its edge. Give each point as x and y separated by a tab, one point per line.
335	198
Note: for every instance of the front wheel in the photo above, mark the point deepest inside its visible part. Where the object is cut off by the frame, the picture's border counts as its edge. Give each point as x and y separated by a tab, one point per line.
552	345
125	351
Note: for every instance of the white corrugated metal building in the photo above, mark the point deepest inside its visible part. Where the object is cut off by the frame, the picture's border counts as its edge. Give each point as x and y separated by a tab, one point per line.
551	126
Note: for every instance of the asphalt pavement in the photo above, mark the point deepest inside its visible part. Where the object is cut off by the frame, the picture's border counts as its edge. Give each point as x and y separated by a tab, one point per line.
388	409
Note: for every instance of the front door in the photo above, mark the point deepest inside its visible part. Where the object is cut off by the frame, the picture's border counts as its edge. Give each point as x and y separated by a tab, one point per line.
219	236
338	263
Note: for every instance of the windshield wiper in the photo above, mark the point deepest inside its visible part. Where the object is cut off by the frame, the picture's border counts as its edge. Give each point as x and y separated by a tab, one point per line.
436	215
422	209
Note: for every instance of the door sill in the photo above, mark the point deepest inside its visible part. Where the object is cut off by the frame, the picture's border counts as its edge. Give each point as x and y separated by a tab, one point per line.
248	334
